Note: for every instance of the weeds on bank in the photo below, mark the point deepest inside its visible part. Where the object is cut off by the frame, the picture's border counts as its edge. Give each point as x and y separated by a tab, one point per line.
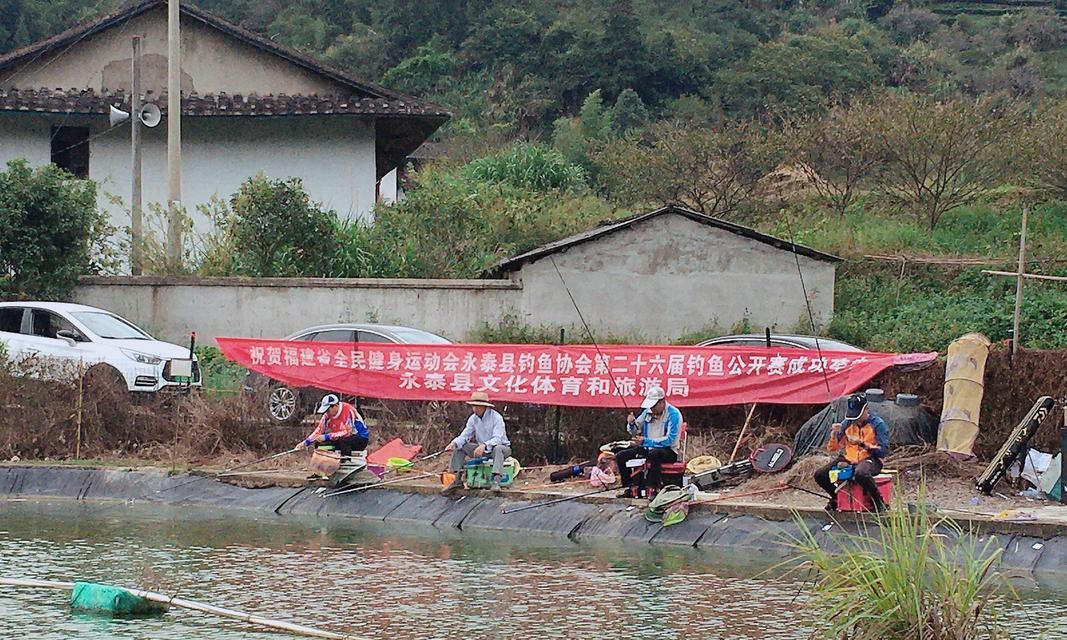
920	577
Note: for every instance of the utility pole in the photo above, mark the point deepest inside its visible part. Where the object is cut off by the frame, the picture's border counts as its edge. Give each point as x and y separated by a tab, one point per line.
1019	284
174	135
137	222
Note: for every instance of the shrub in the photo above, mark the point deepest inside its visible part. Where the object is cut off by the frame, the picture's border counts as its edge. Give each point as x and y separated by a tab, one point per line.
49	224
276	230
530	166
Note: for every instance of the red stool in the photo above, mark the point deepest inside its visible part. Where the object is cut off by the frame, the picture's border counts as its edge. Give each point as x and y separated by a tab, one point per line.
672	472
852	497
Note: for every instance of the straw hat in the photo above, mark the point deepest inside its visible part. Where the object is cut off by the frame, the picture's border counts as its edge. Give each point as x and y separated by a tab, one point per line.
480	399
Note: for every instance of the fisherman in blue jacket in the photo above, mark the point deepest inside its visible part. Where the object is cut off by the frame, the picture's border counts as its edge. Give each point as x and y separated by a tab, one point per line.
655	438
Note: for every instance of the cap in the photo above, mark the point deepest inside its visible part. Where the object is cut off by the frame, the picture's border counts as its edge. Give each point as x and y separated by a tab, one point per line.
480	399
328	401
856	403
654	395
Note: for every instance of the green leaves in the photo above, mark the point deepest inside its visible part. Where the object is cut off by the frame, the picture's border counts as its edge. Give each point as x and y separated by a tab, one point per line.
49	222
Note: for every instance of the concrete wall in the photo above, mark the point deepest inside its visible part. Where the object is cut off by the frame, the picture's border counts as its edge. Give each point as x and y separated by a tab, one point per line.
334	155
276	307
212	62
652	282
669	275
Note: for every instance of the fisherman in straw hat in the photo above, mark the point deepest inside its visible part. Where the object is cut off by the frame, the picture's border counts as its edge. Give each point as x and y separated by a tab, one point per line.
484	435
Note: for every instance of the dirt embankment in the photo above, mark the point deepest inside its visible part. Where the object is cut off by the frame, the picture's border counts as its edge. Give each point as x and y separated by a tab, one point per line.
56	419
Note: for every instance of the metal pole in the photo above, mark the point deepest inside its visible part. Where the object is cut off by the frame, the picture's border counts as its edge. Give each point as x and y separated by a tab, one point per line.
136	221
559	413
1019	284
174	135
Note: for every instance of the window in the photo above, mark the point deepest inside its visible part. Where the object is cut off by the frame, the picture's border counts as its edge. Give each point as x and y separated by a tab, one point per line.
11	319
110	326
48	325
70	150
368	336
333	335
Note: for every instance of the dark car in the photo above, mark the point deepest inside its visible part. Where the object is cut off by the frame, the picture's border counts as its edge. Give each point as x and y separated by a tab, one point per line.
289	405
780	341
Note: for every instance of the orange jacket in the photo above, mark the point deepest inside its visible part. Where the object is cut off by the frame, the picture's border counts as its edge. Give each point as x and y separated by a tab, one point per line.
873	433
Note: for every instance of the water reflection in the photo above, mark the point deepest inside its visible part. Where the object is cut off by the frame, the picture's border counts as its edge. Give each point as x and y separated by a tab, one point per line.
382	581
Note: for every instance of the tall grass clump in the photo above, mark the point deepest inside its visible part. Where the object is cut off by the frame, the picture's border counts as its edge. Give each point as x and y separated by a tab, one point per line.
919	577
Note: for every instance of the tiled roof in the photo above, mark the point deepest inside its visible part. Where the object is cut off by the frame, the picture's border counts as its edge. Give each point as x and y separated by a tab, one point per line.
60	42
88	101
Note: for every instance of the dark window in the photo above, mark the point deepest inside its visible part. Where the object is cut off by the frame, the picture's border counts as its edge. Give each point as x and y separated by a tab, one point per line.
368	336
70	150
48	325
11	319
334	335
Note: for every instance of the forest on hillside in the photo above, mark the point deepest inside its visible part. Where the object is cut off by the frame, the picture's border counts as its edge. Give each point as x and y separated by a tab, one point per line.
510	68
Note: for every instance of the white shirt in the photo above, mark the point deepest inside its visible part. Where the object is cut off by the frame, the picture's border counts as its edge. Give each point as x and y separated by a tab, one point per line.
488	430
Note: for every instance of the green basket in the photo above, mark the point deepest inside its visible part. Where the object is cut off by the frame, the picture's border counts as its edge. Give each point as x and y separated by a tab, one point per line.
480	476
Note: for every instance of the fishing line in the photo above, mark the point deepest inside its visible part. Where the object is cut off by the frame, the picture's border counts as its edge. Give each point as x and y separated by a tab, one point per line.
589	331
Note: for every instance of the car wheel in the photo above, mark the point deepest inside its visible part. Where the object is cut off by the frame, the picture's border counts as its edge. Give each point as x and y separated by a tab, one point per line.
103	379
283	405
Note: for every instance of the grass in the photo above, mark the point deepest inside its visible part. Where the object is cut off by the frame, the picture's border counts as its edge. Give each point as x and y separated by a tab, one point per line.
219	374
919	577
988	230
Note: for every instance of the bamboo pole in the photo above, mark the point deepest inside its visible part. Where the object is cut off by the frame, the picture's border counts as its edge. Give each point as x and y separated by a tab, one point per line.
1031	276
193	605
1019	284
741	435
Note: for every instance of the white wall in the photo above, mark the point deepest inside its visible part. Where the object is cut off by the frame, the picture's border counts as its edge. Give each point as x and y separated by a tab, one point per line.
669	275
334	155
170	308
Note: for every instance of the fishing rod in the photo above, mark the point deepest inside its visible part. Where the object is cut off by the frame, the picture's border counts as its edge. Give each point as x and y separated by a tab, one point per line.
556	501
213	476
588	330
417	476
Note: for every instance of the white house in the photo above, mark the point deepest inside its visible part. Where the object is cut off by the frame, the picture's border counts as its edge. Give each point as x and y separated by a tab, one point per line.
248	105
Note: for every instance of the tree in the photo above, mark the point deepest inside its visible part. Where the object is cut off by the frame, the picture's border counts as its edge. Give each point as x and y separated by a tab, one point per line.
49	224
1044	152
797	74
276	230
576	138
629	112
942	155
835	153
714	171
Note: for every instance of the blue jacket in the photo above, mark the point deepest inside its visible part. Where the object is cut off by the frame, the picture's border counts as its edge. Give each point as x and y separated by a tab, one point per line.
672	427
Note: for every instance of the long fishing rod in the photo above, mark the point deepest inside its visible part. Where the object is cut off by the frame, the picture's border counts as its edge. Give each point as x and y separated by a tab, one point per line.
556	501
212	476
811	319
417	476
589	331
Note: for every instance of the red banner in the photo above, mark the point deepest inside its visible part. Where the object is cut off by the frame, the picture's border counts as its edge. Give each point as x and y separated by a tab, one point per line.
581	376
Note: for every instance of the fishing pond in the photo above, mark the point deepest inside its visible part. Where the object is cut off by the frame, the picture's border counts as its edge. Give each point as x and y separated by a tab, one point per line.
400	583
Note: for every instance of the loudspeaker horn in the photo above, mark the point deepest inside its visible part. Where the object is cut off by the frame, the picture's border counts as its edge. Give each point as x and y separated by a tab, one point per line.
150	115
116	116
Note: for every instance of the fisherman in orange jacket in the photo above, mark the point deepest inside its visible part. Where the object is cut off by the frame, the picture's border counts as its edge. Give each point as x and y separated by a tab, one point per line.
861	441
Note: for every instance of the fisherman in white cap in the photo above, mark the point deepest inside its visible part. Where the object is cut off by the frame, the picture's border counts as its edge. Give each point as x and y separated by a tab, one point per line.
340	427
484	435
655	438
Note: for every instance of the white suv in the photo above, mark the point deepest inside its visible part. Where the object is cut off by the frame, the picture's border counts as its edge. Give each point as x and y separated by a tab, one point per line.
72	336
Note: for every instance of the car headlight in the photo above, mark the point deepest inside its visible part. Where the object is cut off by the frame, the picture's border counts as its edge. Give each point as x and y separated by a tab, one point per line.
143	358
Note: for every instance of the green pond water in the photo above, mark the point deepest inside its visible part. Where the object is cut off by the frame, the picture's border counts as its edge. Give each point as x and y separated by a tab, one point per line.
393	583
